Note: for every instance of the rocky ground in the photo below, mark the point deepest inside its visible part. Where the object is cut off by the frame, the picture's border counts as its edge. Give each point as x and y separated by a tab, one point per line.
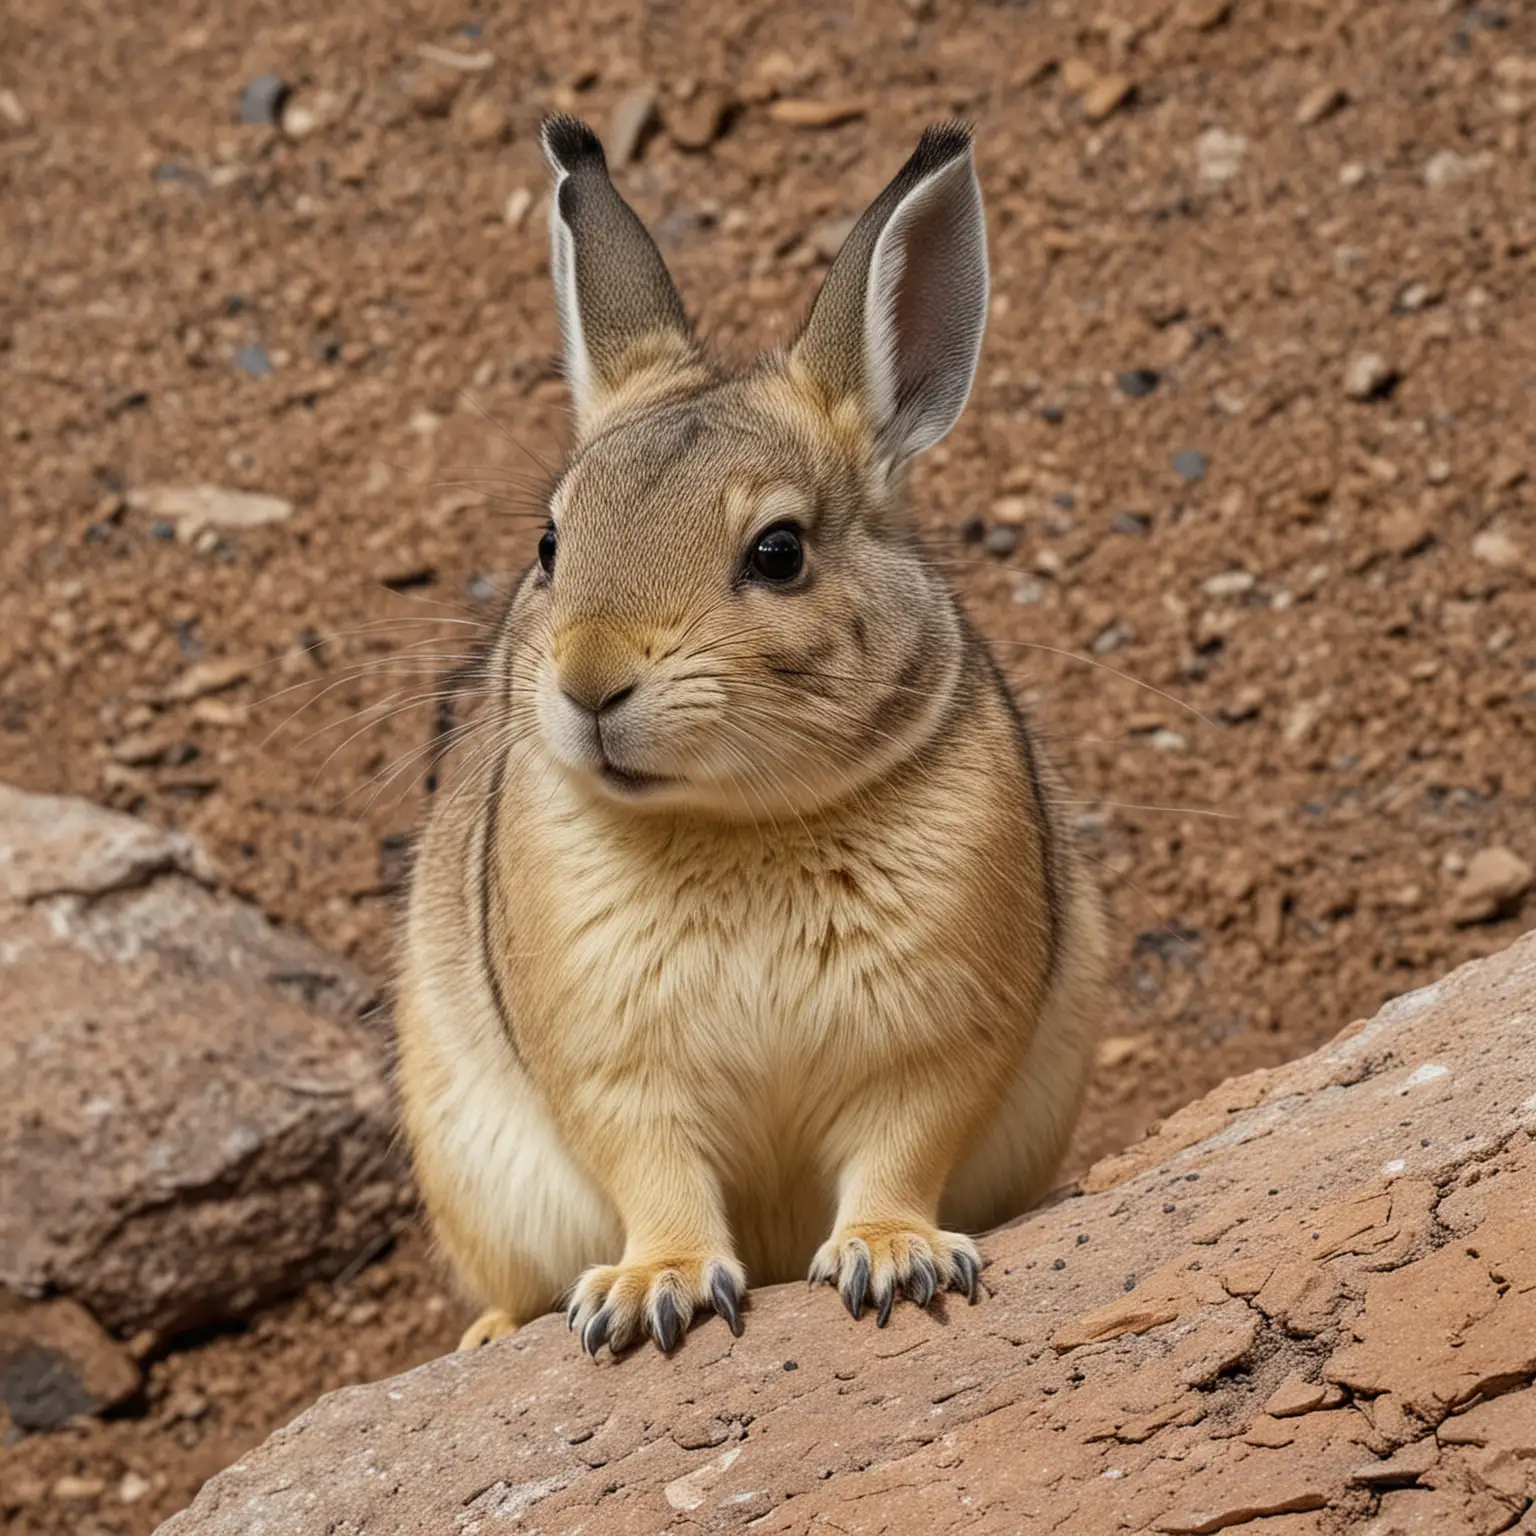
1245	492
1307	1307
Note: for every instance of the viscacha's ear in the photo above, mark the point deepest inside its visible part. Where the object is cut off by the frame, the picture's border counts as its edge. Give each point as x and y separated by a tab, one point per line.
626	335
897	325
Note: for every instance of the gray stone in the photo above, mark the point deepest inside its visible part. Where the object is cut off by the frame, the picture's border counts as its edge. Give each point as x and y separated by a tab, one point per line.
196	1115
261	102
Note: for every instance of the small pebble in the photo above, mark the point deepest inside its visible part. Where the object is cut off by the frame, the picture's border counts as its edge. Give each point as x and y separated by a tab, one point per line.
632	118
1495	880
70	1488
1058	1263
1228	584
973	530
1369	376
1495	547
168	170
518	204
1001	542
1065	500
1137	383
132	1488
827	238
253	360
791	1365
262	100
1104	95
163	530
1132	524
433	90
805	113
1320	102
1219	154
1245	705
1110	639
1053	414
1189	465
485	123
1448	167
1169	1208
1416	296
1028	592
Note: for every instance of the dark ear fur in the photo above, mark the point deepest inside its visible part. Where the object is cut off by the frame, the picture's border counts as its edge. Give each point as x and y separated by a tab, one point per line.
620	311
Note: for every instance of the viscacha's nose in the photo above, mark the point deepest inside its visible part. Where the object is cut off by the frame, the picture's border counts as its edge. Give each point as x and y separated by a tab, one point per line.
596	667
594	699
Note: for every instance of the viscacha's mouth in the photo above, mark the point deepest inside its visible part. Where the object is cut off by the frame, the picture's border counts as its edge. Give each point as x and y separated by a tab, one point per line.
632	783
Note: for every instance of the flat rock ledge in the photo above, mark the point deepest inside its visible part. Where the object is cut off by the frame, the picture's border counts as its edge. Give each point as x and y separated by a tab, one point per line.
1306	1306
195	1115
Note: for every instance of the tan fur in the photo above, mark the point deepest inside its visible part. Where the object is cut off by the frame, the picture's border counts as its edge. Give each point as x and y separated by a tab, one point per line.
831	984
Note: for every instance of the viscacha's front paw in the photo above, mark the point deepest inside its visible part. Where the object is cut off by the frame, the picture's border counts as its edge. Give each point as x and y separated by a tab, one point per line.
619	1304
869	1261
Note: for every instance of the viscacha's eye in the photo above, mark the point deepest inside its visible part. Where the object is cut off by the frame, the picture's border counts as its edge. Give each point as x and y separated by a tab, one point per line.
778	555
547	549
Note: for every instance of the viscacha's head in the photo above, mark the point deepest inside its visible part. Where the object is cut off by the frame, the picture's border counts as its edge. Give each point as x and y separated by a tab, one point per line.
730	612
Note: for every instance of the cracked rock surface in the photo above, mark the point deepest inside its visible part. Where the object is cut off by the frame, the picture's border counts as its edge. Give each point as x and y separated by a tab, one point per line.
195	1117
1305	1306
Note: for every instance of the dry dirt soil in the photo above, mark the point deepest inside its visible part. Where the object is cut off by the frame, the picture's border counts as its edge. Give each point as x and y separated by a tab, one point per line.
1244	494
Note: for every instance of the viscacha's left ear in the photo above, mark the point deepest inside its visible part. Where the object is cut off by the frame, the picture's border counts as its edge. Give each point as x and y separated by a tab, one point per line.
627	338
897	325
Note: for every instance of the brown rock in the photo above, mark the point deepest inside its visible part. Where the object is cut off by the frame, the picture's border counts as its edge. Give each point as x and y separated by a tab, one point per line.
57	1361
1295	1396
826	239
205	677
486	123
1368	376
695	124
1202	15
1404	1466
433	89
629	125
1077	74
1496	878
937	1420
1320	102
195	1119
1104	95
801	112
1405	531
12	112
194	508
1496	548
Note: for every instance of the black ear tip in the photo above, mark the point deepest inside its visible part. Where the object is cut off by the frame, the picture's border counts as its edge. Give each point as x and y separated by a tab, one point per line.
568	142
941	143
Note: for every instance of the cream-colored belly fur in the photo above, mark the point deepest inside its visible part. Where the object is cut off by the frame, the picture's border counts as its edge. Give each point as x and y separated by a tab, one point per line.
775	993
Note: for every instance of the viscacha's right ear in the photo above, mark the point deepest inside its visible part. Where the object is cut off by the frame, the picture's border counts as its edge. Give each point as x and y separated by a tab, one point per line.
627	338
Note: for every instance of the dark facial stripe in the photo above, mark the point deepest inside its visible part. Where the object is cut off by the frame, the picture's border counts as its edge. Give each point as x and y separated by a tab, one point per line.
1050	853
491	890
